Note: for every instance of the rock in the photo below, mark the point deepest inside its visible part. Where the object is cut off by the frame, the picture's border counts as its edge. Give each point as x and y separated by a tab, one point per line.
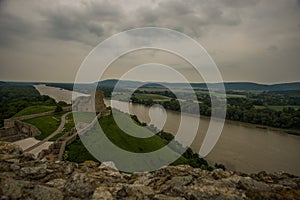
14	167
57	183
90	164
24	177
9	151
80	185
144	179
180	181
27	157
102	193
109	165
13	189
47	193
135	192
288	183
212	192
165	197
249	184
37	172
110	169
219	174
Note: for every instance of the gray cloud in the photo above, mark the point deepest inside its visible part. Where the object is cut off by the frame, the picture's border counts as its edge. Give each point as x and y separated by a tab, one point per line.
250	35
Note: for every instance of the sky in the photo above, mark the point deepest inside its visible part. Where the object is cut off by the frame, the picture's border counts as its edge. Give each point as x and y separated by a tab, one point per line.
249	40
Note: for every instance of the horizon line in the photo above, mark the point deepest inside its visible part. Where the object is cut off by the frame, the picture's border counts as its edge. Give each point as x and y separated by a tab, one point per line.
40	82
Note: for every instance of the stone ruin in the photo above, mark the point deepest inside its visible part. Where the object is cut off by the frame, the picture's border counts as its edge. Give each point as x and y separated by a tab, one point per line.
86	103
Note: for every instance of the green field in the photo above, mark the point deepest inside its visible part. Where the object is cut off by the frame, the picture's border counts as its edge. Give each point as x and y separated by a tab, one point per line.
34	110
277	108
67	128
46	124
235	96
151	96
128	142
76	152
84	117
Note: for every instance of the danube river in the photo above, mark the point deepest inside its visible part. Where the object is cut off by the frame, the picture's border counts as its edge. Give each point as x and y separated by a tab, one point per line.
241	147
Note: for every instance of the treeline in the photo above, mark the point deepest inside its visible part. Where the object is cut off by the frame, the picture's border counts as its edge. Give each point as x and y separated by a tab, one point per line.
14	98
83	88
240	109
282	98
244	110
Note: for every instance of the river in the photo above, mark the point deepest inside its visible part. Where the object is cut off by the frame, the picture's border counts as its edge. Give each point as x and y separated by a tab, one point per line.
241	147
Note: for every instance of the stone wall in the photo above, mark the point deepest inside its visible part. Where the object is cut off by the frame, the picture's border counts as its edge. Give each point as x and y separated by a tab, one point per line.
23	177
26	129
14	129
10	122
57	149
87	103
19	130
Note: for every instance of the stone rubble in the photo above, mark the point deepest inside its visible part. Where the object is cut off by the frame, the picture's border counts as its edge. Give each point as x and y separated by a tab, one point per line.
23	177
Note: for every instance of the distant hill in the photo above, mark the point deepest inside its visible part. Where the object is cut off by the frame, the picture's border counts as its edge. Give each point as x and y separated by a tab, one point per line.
256	86
228	85
110	83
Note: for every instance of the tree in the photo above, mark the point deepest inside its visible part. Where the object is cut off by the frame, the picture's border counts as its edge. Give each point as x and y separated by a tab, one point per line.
58	109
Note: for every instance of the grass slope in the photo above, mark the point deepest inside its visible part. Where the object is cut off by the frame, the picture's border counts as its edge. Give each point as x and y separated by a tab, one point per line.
277	108
34	110
67	128
151	96
46	124
77	153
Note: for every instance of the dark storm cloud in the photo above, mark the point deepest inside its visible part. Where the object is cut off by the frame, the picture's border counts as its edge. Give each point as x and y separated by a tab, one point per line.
88	21
85	22
191	17
239	3
251	35
12	27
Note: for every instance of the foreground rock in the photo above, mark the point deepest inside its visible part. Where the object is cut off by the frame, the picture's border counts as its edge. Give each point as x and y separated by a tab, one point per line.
23	177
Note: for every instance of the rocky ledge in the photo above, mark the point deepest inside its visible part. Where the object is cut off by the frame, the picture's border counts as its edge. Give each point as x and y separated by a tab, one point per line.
23	177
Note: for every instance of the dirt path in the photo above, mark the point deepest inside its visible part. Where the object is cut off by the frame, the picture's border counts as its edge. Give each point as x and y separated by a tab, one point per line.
58	130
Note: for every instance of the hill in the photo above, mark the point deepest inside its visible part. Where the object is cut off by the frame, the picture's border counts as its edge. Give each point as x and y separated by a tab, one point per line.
110	83
228	85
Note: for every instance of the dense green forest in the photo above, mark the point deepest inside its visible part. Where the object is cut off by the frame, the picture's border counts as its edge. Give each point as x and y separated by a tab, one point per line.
16	97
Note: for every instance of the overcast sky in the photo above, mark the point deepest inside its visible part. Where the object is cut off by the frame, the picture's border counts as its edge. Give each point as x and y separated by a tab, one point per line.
249	40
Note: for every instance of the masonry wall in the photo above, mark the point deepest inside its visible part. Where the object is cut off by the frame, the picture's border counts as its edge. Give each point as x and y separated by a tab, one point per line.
15	129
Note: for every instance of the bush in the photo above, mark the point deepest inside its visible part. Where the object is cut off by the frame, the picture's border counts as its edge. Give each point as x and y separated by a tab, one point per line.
58	109
220	166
